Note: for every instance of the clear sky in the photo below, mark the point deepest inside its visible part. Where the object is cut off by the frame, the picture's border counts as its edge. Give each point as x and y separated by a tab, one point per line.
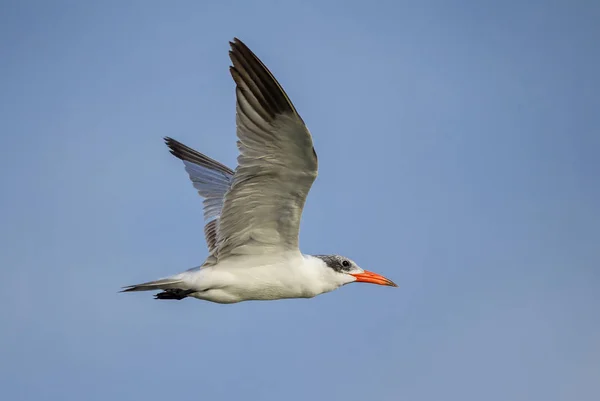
458	145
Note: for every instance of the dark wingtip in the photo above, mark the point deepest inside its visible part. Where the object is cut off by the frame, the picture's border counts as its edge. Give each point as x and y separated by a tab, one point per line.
170	142
173	145
185	153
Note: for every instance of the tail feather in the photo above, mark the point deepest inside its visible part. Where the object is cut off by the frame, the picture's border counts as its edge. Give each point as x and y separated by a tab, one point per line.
163	284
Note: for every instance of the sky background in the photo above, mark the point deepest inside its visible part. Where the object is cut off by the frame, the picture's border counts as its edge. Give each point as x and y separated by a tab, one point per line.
458	145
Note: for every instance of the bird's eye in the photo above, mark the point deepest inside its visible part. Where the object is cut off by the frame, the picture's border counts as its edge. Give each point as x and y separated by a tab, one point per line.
345	263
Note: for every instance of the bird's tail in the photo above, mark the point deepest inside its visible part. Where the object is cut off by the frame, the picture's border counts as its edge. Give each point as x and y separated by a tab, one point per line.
168	283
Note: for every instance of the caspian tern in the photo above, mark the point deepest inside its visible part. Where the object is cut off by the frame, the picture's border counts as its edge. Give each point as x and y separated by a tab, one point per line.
253	214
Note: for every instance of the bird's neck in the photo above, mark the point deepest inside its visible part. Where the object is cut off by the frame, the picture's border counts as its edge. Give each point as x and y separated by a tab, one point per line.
327	278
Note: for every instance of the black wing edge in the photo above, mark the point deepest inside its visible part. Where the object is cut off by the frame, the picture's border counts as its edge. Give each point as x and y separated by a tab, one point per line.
188	154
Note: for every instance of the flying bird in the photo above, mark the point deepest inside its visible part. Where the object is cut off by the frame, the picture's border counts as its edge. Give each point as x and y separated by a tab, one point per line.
253	214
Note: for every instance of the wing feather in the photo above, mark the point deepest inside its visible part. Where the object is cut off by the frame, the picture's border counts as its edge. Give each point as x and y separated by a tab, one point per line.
276	166
212	181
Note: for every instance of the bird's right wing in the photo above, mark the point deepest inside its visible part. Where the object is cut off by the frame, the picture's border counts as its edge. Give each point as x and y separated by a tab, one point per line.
212	180
276	166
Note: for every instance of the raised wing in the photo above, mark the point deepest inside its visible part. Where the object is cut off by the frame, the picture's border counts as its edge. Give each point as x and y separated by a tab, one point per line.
276	166
212	180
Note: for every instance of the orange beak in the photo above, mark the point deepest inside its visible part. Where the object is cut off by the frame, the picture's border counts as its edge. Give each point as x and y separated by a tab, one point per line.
373	278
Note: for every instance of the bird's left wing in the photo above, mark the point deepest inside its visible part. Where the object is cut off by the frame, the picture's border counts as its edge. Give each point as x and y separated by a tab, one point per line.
212	180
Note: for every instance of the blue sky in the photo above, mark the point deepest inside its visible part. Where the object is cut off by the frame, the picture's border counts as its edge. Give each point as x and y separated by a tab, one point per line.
458	145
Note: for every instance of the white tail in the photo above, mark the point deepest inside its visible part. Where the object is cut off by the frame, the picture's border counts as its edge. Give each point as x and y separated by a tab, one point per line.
163	284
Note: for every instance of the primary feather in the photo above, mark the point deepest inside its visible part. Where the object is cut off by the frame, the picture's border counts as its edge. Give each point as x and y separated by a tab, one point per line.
212	181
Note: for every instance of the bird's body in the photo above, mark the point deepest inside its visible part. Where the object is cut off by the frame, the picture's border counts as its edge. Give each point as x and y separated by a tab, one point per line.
253	213
284	275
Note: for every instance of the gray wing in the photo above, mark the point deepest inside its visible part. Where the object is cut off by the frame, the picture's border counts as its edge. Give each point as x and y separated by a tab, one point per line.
212	180
276	166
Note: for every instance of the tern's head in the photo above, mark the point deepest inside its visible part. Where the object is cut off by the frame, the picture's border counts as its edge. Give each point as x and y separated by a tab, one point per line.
345	271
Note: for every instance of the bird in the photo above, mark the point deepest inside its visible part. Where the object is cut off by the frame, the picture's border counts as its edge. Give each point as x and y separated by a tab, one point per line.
252	214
